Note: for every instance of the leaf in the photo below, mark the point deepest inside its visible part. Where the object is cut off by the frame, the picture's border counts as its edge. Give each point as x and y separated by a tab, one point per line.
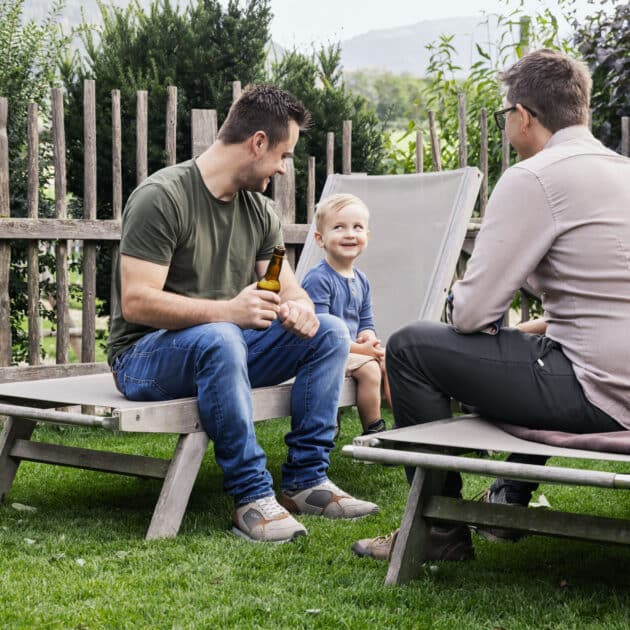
29	541
121	554
80	562
20	507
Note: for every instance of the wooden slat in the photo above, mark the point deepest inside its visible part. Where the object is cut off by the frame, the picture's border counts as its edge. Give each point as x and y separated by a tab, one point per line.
236	90
99	230
61	229
284	192
483	195
171	126
531	520
203	130
32	283
5	247
310	190
463	140
88	323
61	246
625	136
419	152
330	153
14	429
35	373
175	493
89	459
436	153
142	135
346	148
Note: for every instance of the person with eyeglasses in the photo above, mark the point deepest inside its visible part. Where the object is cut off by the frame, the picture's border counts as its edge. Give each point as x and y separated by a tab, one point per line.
559	220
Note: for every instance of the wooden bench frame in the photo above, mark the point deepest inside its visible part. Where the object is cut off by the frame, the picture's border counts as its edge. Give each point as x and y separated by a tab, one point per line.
177	416
425	505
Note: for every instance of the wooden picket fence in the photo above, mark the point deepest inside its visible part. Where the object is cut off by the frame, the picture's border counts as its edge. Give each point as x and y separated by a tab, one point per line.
89	230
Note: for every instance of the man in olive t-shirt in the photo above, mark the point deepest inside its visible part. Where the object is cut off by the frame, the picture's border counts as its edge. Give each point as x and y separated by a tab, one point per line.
190	322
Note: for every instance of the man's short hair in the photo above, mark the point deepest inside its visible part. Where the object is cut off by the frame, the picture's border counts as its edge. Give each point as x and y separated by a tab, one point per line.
555	86
263	108
335	203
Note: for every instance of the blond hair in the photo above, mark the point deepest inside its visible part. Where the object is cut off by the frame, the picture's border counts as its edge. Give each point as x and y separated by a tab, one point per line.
335	203
556	86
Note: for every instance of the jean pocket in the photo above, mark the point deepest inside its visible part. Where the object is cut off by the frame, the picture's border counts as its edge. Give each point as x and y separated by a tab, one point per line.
144	389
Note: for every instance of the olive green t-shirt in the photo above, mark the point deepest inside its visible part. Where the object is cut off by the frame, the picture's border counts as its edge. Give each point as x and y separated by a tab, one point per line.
210	246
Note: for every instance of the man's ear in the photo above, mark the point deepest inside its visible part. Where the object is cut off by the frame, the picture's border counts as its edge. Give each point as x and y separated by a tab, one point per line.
526	118
258	143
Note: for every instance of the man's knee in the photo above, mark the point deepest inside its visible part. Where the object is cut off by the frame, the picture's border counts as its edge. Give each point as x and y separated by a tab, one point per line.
334	332
222	342
417	335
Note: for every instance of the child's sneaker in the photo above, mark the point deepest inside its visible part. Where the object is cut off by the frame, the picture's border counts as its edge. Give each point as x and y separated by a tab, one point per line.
377	426
265	520
326	499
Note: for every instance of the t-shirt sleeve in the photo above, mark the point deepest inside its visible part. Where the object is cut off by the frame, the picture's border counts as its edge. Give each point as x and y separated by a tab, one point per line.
151	226
366	316
272	235
319	290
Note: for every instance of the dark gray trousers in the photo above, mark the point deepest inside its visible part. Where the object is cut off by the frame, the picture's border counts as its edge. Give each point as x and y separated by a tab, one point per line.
511	377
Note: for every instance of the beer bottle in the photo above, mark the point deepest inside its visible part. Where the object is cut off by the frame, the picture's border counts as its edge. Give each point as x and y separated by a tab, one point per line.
271	280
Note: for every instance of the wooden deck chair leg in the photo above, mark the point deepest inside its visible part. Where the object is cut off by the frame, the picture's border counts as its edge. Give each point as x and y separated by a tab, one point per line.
413	538
14	429
180	478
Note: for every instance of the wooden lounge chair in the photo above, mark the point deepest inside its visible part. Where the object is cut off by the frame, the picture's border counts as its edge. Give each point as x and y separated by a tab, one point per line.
436	447
419	223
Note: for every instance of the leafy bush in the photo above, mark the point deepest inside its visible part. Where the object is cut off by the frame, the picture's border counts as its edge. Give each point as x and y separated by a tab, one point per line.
603	40
28	71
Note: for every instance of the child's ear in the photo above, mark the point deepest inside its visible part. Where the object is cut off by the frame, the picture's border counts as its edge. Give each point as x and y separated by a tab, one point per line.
368	234
318	238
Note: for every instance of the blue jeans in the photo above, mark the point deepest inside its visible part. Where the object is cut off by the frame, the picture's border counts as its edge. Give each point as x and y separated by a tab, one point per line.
219	364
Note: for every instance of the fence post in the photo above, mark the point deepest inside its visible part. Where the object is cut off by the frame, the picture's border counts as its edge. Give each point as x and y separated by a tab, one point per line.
5	246
142	134
32	283
346	148
625	136
330	153
236	90
505	152
310	190
171	126
203	130
483	200
435	143
419	152
61	246
116	187
88	325
463	141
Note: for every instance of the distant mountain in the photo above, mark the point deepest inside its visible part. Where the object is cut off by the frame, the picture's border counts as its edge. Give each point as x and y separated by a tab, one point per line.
403	49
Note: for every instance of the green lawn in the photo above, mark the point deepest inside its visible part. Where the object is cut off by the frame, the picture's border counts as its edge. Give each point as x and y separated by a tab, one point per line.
80	560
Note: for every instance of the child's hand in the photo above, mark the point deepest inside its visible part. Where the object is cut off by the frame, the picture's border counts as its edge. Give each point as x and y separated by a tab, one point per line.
370	347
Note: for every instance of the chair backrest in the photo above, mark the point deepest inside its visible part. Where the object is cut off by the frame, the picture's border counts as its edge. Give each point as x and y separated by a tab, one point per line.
418	224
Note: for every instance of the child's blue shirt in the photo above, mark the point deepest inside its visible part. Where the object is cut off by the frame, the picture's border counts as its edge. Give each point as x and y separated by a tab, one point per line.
347	298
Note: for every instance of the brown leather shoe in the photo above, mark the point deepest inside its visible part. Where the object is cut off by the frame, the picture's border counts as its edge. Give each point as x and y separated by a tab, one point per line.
448	544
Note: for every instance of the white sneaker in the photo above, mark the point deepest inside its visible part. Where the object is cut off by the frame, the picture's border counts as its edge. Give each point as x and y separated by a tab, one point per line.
265	520
326	499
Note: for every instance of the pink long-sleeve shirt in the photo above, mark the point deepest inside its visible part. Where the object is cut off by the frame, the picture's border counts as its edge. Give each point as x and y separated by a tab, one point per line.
560	220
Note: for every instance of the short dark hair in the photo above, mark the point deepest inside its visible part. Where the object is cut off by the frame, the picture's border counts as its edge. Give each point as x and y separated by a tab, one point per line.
556	86
263	108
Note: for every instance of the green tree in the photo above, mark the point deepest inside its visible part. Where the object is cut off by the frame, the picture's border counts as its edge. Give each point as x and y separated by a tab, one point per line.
28	71
603	39
200	49
317	80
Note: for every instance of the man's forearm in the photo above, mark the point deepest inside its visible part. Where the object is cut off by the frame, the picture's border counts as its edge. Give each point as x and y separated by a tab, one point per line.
534	326
162	309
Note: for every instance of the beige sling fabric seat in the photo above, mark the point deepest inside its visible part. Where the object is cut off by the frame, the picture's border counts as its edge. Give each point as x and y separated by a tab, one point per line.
419	224
439	446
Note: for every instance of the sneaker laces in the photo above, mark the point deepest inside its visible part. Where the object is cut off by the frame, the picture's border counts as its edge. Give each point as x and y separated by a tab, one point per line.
269	507
385	540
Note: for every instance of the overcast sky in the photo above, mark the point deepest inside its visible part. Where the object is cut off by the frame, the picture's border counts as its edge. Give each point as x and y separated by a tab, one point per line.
301	23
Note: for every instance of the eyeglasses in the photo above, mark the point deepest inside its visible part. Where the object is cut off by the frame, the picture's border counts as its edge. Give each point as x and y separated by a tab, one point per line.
500	116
